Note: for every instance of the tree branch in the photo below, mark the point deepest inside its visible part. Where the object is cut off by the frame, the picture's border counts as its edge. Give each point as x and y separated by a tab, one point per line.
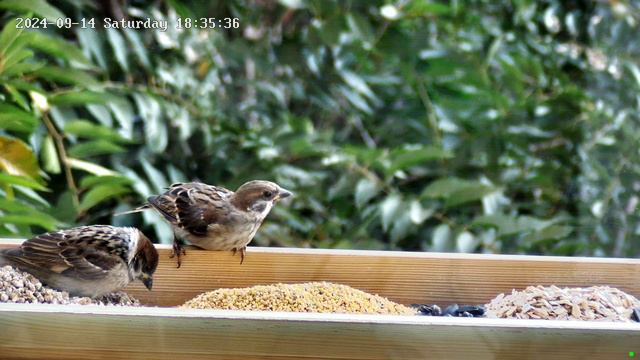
62	154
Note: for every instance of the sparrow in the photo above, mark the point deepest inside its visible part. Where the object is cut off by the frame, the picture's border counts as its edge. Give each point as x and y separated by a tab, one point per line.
215	218
88	260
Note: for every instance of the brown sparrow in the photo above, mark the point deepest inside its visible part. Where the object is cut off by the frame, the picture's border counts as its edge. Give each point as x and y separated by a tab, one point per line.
214	218
88	260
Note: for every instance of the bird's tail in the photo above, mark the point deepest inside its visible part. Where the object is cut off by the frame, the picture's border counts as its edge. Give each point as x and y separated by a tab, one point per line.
138	209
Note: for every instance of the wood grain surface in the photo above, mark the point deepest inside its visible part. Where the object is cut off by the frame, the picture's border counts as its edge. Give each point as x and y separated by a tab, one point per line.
89	332
404	277
83	332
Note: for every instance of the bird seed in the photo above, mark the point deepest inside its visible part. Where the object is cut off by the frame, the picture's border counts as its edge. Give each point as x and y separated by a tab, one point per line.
21	287
598	303
319	297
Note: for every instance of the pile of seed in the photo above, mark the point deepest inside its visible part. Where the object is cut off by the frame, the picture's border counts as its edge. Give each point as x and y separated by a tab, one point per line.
321	297
21	287
538	302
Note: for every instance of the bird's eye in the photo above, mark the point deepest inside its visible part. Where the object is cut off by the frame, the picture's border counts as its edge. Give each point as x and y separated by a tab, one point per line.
267	194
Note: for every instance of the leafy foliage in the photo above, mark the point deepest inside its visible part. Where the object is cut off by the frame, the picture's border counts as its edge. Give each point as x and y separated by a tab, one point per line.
417	125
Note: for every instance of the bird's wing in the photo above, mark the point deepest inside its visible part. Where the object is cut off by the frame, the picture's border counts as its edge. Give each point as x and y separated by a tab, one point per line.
165	204
193	206
85	252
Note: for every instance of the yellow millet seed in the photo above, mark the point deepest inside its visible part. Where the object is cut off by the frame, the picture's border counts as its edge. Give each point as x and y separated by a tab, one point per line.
322	297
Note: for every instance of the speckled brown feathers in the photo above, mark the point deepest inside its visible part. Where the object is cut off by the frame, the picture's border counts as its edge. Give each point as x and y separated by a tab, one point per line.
192	206
87	260
214	218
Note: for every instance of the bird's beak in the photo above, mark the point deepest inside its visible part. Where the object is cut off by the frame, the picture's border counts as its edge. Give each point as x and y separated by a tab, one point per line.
283	194
148	282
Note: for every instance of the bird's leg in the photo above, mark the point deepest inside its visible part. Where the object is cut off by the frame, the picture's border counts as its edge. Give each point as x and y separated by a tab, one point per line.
178	250
243	252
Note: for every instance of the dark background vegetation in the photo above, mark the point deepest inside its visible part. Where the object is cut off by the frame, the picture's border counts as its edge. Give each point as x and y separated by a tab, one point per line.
471	126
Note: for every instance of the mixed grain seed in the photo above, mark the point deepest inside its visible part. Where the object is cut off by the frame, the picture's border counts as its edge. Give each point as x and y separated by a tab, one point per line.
320	297
20	287
598	303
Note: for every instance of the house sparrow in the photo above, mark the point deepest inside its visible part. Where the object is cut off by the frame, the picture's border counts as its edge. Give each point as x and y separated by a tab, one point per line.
214	218
88	260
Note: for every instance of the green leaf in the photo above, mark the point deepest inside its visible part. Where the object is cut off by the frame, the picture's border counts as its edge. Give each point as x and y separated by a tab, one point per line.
138	46
90	167
389	209
50	156
355	99
366	189
552	232
16	119
457	191
364	155
102	114
139	184
64	75
22	68
440	238
27	214
14	206
405	158
181	8
91	181
469	194
510	225
13	59
22	85
9	34
175	175
465	242
87	129
72	98
65	208
401	227
57	47
124	114
505	224
361	27
32	195
16	43
418	214
93	42
357	83
39	219
21	181
157	179
101	193
38	7
426	8
17	98
119	48
94	148
329	32
16	158
444	187
156	130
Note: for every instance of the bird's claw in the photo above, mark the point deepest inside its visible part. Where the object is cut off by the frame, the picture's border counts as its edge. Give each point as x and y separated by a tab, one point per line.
243	252
177	252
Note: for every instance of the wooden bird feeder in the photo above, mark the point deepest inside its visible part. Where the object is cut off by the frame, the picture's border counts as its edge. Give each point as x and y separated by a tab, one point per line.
162	331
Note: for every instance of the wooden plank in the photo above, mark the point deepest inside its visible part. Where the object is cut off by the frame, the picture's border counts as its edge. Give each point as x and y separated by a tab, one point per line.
405	277
83	332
